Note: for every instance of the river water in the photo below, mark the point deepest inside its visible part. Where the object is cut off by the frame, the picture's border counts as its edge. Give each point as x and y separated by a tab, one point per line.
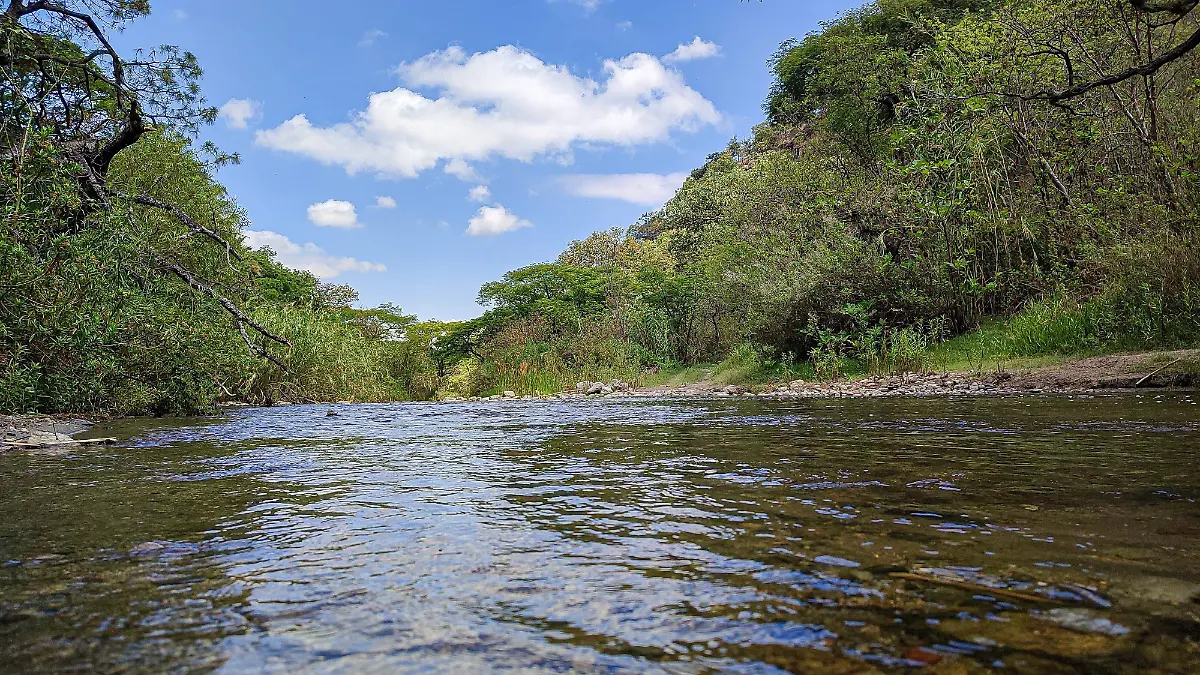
1040	535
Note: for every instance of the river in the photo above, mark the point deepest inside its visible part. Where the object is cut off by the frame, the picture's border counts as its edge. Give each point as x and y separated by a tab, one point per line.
1033	534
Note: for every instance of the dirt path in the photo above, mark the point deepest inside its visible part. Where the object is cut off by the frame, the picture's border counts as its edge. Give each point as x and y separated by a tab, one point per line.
1119	371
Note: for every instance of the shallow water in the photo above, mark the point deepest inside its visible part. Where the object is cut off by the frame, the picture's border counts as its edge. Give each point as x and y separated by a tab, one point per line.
1044	535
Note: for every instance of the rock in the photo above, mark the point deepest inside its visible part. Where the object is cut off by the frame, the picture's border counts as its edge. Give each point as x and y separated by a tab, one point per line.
596	388
147	548
1084	621
922	655
345	402
582	387
283	403
510	394
796	384
733	390
606	390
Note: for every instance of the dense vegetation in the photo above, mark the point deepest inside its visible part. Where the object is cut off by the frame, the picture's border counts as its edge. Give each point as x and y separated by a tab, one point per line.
925	166
125	283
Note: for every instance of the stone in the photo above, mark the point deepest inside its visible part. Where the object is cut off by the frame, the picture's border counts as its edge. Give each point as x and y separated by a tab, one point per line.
510	394
596	388
582	387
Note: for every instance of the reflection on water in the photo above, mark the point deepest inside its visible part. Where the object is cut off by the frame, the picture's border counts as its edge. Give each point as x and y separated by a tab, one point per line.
1032	535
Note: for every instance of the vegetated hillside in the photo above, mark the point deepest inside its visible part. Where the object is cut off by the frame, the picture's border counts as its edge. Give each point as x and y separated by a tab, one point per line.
925	165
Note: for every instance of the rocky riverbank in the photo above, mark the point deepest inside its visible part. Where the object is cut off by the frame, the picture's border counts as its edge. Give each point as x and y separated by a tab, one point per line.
1117	372
910	385
17	431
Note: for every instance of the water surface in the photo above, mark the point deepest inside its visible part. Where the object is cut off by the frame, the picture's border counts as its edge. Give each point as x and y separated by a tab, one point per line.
1042	535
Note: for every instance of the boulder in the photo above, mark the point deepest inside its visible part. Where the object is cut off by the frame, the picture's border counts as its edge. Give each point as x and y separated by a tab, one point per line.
732	390
510	394
606	390
582	387
596	388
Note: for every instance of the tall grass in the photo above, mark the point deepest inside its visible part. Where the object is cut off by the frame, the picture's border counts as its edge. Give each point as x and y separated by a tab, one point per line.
329	360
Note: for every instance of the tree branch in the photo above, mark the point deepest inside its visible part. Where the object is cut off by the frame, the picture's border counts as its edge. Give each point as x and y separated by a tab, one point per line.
1148	68
240	318
188	221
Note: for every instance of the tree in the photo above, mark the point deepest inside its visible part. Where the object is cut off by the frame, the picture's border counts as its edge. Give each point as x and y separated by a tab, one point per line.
64	85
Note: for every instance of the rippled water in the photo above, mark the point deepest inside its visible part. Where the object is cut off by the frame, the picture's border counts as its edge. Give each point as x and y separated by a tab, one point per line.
1028	535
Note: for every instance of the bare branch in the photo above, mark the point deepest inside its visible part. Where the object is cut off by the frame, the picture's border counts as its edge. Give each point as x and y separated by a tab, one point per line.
1149	68
240	318
187	220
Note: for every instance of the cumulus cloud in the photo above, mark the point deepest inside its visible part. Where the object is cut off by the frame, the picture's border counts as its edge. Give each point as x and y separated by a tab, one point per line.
479	193
461	170
692	51
334	213
385	203
237	112
503	103
308	256
493	220
370	37
644	189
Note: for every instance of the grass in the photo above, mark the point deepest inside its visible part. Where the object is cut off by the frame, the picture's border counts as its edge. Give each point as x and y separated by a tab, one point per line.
743	367
679	376
1188	365
985	349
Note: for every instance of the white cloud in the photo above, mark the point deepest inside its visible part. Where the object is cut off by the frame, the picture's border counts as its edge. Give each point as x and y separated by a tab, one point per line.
694	50
334	213
308	256
625	25
493	220
503	103
645	189
461	170
479	193
385	203
370	37
237	112
179	15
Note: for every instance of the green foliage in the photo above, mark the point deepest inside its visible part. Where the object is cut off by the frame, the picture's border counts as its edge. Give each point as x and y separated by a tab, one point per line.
898	196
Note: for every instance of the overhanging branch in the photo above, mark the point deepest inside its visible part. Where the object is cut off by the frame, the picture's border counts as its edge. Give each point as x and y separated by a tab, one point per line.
241	319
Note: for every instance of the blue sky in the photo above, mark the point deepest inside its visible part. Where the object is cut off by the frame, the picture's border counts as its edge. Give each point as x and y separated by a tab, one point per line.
495	132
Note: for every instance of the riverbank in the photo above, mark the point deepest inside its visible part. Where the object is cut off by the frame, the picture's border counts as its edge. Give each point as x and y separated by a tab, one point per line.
1114	372
17	431
1171	370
